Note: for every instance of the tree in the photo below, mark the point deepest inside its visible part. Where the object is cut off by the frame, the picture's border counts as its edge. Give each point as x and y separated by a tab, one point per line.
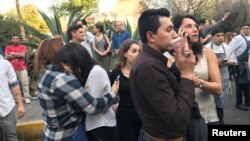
198	8
239	14
69	7
9	26
33	18
20	21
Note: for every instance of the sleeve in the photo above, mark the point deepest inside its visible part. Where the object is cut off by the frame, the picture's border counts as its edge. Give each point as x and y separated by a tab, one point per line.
231	56
235	44
128	35
208	29
7	50
90	37
112	76
72	91
173	107
114	43
1	52
24	49
12	78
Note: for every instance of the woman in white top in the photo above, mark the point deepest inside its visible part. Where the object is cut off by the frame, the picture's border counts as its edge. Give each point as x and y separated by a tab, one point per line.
207	79
95	79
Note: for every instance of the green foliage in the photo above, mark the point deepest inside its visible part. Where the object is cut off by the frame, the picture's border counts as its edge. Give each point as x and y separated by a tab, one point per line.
33	18
69	7
9	27
54	24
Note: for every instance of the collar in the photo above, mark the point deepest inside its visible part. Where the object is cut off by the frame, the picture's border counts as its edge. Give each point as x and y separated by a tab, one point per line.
153	53
120	32
52	67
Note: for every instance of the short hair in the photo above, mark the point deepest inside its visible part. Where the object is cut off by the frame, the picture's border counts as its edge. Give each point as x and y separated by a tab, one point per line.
149	21
216	31
245	24
71	29
201	21
100	27
84	22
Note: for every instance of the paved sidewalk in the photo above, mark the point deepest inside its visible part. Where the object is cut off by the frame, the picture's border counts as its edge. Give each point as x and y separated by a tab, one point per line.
30	126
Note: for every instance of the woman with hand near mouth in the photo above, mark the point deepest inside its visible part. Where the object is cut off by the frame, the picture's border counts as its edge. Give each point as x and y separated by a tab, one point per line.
207	80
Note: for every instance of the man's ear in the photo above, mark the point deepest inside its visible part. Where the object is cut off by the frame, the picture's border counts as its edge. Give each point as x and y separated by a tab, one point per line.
150	36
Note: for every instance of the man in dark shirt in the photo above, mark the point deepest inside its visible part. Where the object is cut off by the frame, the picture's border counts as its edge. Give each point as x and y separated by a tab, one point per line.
163	104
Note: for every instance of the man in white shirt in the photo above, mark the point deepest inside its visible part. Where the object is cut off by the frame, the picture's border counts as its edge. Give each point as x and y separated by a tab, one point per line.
89	37
9	85
240	46
225	58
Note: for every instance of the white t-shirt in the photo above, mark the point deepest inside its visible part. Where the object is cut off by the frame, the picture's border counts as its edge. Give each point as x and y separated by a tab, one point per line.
89	39
97	85
219	49
7	79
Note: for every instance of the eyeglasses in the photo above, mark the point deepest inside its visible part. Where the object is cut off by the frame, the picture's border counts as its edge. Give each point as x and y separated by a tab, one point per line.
245	28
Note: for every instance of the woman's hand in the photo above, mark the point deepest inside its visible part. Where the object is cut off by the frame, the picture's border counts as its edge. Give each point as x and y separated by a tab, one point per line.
115	107
115	87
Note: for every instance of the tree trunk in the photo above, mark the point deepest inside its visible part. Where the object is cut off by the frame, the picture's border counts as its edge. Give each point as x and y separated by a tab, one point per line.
20	21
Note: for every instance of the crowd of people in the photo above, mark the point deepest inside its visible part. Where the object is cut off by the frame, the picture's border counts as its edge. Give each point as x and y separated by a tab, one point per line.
157	91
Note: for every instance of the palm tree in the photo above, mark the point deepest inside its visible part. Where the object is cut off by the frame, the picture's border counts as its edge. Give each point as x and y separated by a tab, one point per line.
20	21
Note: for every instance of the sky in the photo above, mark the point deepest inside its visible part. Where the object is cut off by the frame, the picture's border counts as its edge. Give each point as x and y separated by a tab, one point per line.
6	5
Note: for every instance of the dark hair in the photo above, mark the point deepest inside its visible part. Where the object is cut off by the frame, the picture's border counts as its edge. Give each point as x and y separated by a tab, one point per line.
124	47
79	60
216	30
100	27
71	29
47	53
201	21
84	22
245	24
149	21
196	47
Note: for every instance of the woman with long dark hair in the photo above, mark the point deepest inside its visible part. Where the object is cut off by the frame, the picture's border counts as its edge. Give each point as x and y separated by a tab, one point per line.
101	46
207	80
95	80
128	121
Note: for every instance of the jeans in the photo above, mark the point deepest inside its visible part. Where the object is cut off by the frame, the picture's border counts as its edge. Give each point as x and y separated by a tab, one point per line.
80	134
143	137
8	127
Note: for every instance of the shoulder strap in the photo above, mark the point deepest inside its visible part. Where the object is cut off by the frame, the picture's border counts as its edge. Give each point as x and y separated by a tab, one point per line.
104	38
244	37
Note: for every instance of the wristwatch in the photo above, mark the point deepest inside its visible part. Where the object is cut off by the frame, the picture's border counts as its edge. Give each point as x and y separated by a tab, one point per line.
201	83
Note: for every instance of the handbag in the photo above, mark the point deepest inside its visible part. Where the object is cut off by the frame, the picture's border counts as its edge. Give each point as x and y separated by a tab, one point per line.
106	45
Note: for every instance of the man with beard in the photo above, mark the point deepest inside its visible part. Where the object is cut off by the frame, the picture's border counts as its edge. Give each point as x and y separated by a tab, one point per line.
16	53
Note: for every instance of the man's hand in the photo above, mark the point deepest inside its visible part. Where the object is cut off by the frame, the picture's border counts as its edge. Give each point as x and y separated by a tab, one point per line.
226	14
185	60
20	111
